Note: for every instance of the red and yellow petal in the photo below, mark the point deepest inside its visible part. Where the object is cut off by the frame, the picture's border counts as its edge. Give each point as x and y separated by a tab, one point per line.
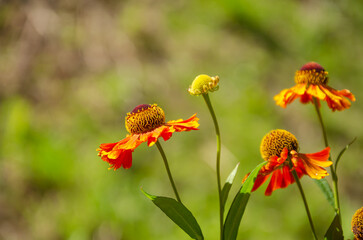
315	91
181	125
287	96
338	100
119	154
314	163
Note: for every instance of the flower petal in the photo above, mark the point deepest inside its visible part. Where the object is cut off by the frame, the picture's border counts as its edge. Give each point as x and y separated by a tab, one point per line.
181	125
314	163
337	100
120	153
315	91
275	182
287	96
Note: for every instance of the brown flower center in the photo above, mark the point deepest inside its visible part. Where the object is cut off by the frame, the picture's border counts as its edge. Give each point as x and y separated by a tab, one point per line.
275	141
357	224
144	118
312	73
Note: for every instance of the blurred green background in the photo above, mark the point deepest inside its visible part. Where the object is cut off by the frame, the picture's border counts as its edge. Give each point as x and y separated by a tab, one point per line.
71	70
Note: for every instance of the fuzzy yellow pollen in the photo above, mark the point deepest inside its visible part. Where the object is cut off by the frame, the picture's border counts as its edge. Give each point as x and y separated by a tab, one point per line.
144	118
203	84
275	141
357	224
312	73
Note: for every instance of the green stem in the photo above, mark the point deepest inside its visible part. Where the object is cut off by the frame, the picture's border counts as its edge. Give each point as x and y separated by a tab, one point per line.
218	170
168	170
333	173
297	180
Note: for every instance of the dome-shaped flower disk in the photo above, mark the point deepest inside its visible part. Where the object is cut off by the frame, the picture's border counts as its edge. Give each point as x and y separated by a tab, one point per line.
357	224
312	81
146	123
203	84
276	147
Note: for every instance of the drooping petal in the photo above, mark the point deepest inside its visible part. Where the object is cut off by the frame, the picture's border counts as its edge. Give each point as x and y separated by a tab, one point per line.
287	177
272	166
260	179
315	91
314	163
120	153
275	182
181	125
287	96
323	155
338	100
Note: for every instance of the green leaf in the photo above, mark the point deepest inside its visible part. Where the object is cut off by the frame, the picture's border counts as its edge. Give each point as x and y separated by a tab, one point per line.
326	189
335	231
227	186
179	214
238	206
342	152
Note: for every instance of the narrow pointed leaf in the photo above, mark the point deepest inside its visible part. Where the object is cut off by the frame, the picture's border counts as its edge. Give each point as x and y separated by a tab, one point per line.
342	152
335	231
179	214
238	206
228	184
326	189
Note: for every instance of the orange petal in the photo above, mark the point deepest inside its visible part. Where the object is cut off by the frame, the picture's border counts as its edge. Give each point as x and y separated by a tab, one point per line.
313	167
184	125
275	182
315	91
120	153
287	96
260	179
338	100
323	155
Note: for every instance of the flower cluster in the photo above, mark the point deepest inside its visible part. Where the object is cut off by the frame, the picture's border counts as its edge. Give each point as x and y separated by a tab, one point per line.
284	163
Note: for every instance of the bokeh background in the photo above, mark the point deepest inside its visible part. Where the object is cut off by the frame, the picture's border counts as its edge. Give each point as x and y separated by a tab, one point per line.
71	70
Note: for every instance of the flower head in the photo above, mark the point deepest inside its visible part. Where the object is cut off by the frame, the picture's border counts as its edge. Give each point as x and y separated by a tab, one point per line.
312	81
203	84
277	147
357	224
146	123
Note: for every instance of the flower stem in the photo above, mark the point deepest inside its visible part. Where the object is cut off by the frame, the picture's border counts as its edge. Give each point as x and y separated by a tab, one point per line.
218	170
333	173
297	180
168	170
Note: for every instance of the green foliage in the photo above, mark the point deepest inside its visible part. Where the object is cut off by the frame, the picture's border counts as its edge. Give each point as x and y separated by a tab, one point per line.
228	184
335	231
238	206
179	214
326	189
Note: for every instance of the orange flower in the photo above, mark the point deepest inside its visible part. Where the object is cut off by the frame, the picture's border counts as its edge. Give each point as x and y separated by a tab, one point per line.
311	81
277	147
145	123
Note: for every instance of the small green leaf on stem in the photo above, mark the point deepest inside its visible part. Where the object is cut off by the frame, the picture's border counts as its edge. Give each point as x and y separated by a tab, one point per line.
342	152
238	206
179	214
228	184
335	231
326	189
